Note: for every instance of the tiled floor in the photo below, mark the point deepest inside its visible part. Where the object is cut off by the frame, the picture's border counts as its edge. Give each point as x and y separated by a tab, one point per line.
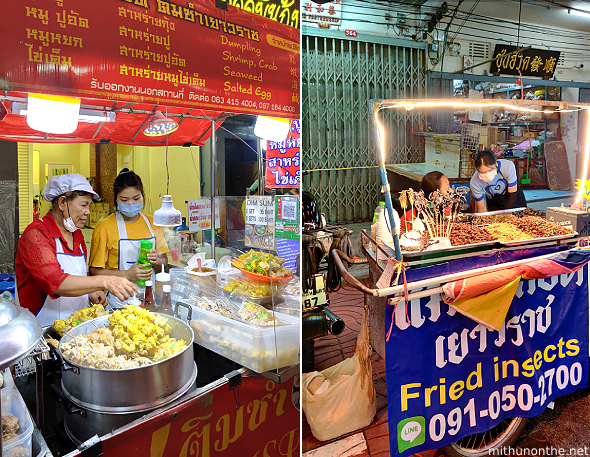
567	426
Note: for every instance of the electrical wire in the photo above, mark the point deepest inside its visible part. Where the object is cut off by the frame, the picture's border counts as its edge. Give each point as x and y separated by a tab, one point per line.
464	20
232	133
518	36
167	172
487	20
197	172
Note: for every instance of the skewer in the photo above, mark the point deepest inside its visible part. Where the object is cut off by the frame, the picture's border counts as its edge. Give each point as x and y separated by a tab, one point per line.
403	200
410	194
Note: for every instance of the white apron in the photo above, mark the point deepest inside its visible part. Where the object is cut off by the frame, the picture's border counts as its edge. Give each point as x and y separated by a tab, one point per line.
63	307
129	251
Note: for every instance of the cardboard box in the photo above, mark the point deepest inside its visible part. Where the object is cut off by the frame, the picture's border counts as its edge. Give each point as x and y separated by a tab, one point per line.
490	137
93	218
578	221
488	116
537	116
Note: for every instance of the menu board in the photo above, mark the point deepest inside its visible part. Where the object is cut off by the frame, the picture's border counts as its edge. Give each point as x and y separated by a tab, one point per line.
181	53
259	231
199	214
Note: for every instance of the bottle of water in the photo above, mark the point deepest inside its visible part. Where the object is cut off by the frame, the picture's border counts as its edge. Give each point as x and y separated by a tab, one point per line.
378	210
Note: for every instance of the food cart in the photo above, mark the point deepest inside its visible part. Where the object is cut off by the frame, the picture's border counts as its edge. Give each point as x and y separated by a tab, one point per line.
468	330
235	387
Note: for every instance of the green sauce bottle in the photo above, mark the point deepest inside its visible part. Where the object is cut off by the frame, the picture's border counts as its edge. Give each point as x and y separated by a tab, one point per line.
144	249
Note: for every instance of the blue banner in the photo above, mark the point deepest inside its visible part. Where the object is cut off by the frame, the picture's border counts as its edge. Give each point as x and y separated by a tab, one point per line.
449	377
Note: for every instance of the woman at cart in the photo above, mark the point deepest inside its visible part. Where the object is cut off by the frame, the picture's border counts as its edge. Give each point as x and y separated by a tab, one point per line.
116	239
431	182
50	263
495	185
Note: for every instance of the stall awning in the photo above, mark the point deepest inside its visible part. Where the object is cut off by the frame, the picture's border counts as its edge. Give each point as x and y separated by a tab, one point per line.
127	128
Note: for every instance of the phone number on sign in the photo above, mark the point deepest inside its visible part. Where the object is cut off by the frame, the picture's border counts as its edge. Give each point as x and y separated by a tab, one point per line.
505	400
232	101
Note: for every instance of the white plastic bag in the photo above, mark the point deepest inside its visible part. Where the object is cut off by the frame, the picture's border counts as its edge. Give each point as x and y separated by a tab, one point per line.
349	404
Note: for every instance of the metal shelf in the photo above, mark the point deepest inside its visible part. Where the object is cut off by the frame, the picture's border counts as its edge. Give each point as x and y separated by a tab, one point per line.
27	364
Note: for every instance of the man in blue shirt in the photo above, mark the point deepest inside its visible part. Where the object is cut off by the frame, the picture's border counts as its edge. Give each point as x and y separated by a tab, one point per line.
495	185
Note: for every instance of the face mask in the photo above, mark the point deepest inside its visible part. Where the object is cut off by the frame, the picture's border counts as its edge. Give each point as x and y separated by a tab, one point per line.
69	222
69	225
487	177
130	210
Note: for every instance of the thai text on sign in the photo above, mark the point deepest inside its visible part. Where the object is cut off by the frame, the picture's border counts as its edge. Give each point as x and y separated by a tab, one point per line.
283	160
457	377
154	54
199	214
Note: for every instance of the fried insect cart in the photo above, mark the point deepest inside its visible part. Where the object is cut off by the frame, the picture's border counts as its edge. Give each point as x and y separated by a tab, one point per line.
476	338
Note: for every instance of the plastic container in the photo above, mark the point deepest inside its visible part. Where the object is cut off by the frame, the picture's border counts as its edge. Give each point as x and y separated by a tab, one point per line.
7	381
162	279
251	346
144	249
13	403
206	279
249	288
174	244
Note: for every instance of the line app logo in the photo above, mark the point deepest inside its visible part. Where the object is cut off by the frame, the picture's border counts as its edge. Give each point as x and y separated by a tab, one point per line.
411	432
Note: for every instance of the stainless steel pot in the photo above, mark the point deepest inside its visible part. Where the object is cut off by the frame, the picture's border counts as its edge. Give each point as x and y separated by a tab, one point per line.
81	425
135	389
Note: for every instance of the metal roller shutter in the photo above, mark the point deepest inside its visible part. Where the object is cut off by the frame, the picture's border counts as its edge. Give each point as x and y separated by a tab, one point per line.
339	77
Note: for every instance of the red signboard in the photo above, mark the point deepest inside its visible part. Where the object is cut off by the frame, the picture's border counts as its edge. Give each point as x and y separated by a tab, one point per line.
351	33
180	53
283	160
256	419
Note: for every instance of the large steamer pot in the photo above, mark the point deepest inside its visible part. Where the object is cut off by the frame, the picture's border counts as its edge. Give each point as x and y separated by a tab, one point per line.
81	425
132	390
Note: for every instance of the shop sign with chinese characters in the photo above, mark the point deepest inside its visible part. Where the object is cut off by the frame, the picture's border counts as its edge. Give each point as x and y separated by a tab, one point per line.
177	53
259	231
283	160
531	62
199	214
328	13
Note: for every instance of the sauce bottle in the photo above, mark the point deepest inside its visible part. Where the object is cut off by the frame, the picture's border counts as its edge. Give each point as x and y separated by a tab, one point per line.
162	279
166	306
145	247
148	301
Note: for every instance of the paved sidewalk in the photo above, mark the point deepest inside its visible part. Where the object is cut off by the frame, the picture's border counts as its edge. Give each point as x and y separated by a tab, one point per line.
348	304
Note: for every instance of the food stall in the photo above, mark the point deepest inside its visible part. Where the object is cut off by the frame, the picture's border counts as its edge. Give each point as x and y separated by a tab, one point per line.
467	310
228	376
